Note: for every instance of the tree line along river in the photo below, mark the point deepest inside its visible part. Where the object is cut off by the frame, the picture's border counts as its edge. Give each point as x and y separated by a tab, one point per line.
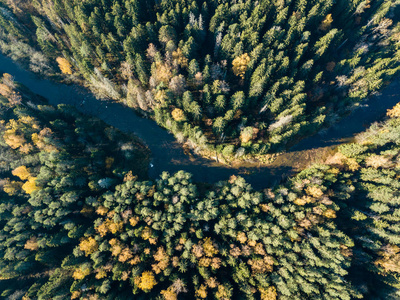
167	153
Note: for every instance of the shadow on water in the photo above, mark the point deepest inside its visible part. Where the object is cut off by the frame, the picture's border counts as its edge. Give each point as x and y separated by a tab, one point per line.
168	155
373	109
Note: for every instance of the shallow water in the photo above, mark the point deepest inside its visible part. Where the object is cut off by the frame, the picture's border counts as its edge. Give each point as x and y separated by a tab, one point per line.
168	155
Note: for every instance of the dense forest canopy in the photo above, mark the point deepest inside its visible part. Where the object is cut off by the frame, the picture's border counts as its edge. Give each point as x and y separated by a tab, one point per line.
232	76
79	217
79	220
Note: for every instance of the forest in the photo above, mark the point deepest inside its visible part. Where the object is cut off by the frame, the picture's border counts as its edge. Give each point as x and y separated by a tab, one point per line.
233	77
79	219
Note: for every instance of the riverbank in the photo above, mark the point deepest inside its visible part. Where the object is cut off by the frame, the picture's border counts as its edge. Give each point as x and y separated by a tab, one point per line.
168	154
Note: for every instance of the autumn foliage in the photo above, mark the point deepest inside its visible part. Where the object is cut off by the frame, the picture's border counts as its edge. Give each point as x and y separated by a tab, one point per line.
239	65
88	245
147	281
394	112
22	172
64	65
326	23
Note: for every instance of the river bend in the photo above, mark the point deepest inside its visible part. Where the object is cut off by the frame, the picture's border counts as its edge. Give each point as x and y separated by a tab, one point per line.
167	153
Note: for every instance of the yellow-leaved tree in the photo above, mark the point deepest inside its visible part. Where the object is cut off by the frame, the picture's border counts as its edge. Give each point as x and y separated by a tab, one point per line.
81	273
239	65
88	245
147	281
178	115
394	112
31	244
12	187
169	294
268	293
65	66
180	58
22	172
326	23
30	186
5	90
13	139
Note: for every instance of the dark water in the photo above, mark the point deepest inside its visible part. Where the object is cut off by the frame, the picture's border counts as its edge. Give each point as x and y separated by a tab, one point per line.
167	154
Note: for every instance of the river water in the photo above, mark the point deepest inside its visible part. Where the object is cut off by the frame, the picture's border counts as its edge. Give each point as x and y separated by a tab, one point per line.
168	155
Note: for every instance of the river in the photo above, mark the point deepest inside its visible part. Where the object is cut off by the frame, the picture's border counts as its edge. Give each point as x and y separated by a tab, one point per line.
168	155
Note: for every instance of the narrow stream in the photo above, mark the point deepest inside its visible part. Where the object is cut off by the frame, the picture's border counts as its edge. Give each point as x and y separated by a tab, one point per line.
168	155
